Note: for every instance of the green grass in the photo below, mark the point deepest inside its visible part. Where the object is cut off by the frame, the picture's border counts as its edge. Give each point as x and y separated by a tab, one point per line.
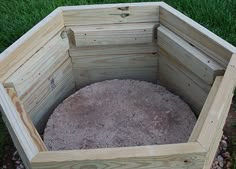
18	16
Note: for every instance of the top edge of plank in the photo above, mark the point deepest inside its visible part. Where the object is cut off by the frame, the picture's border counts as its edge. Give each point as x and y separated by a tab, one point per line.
112	27
119	153
101	6
199	27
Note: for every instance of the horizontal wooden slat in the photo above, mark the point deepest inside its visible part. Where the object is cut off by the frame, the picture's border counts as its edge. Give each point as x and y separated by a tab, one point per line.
39	67
113	34
85	76
53	92
113	50
204	112
187	155
114	56
196	34
39	93
117	61
19	52
189	56
182	82
111	13
93	64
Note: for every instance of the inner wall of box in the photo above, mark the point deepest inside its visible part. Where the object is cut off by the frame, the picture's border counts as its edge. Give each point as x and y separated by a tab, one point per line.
142	51
81	55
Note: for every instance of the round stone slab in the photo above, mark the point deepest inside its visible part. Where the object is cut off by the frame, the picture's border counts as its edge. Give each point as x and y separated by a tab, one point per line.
119	113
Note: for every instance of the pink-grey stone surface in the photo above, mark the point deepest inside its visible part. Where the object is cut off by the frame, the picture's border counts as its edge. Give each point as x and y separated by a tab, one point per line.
119	113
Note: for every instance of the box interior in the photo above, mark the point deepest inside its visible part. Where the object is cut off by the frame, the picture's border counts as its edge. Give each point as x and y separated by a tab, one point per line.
76	46
79	55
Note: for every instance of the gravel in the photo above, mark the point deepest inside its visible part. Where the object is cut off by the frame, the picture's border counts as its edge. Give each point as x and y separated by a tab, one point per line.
223	159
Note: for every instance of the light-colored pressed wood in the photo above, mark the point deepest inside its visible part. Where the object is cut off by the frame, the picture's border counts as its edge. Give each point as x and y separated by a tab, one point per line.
113	34
111	13
204	112
218	111
86	76
189	56
182	82
187	155
114	61
145	41
45	72
59	85
40	65
22	131
110	50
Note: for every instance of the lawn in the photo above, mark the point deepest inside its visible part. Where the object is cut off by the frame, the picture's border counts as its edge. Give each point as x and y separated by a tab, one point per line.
18	16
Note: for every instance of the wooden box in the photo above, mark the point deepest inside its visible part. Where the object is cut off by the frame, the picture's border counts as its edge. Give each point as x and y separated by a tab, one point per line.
76	46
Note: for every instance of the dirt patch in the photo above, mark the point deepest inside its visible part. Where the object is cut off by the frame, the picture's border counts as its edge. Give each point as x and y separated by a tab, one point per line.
119	113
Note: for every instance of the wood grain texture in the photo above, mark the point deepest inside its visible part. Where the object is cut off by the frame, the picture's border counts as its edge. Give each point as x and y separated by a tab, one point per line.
26	120
111	13
212	151
20	135
19	52
113	34
182	82
86	76
116	61
40	66
204	112
116	57
59	85
215	144
113	50
39	93
100	63
189	56
219	109
196	34
189	155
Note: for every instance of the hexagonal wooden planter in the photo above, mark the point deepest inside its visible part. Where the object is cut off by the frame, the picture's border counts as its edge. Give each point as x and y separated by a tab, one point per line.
76	46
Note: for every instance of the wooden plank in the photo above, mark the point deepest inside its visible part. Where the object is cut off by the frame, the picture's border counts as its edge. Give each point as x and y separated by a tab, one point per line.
113	34
21	137
117	61
26	120
19	52
46	107
114	61
188	155
60	89
40	66
189	56
220	107
212	152
39	93
113	50
204	112
182	82
215	144
86	76
196	34
111	13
